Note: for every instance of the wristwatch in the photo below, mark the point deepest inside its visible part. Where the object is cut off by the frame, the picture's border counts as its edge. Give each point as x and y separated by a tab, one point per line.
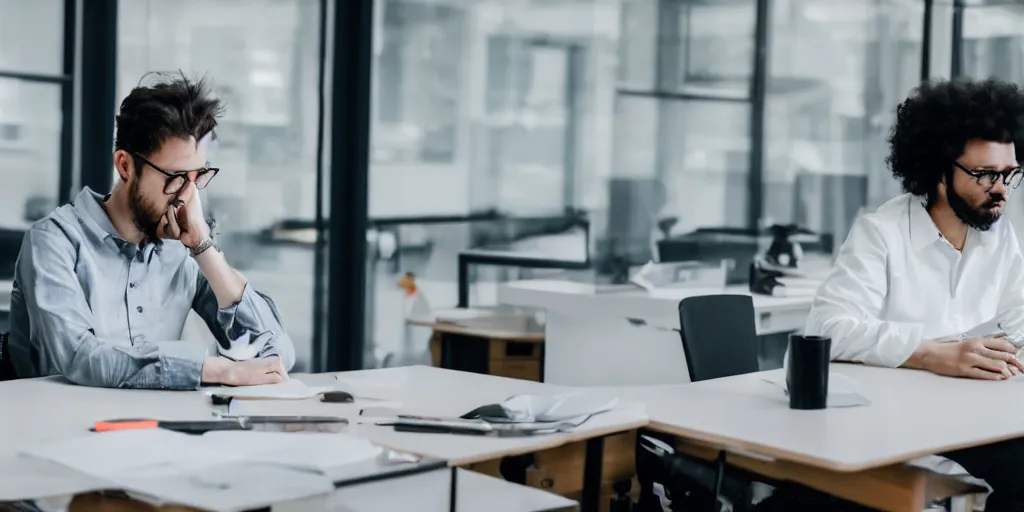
207	243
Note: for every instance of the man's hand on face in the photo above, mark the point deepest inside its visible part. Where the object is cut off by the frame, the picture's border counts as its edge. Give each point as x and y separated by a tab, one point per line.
989	358
184	219
218	370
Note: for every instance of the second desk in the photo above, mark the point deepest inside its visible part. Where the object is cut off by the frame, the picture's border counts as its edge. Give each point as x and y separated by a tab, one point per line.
629	337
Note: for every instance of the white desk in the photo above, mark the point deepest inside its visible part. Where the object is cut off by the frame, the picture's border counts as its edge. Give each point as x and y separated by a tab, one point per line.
604	338
37	410
843	451
429	391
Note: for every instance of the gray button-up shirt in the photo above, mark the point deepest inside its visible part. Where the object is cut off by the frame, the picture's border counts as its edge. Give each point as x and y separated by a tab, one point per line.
103	312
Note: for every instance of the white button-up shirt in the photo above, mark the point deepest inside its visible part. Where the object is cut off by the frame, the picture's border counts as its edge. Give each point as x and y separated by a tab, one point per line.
897	281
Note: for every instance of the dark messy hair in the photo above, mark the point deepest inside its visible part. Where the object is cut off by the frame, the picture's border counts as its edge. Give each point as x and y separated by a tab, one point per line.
935	123
163	106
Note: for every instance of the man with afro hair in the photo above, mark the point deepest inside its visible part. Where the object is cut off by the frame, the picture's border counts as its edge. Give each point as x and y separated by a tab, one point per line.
934	279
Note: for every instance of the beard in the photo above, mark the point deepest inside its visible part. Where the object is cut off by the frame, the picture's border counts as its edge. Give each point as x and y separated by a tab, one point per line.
980	218
145	215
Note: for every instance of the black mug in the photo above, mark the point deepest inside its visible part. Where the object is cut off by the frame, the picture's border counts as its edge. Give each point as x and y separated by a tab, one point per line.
807	371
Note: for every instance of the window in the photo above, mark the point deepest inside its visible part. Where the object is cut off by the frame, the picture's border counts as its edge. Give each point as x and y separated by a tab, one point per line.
836	74
261	56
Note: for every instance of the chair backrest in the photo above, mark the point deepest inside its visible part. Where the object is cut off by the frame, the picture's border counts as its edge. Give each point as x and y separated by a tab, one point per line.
6	365
719	336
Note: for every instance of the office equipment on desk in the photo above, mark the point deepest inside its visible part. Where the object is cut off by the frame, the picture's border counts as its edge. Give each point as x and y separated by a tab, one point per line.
655	277
784	251
338	397
766	279
231	422
807	362
520	415
480	427
736	244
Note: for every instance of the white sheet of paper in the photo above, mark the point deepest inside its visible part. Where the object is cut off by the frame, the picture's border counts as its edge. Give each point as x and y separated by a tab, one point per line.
226	470
29	478
110	455
558	407
289	390
843	391
315	451
230	487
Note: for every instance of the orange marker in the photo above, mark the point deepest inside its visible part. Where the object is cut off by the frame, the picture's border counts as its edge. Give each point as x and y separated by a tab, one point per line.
108	426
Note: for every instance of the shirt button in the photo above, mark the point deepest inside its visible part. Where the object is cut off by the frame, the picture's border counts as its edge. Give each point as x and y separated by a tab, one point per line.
131	284
139	309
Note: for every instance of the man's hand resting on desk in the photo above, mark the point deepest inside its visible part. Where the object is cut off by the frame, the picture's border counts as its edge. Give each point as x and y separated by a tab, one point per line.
989	358
219	370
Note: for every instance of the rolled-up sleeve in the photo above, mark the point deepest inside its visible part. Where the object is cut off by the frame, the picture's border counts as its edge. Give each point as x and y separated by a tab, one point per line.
848	305
62	326
248	329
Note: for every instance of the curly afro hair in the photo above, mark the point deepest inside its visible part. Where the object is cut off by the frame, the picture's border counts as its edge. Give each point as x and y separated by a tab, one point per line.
935	123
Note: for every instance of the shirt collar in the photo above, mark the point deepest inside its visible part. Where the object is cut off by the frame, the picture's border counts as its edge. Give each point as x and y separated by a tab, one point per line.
924	232
91	213
89	206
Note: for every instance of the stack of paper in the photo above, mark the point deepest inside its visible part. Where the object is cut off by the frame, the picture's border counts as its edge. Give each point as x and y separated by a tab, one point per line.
843	391
233	470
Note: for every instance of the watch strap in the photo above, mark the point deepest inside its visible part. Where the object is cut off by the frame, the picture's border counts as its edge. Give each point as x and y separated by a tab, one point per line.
207	243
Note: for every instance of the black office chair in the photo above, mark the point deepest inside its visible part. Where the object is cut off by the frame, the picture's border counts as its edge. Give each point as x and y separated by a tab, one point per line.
6	365
719	340
719	336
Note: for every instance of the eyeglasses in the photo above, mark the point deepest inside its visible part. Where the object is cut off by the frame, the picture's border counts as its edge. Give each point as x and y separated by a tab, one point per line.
177	180
987	178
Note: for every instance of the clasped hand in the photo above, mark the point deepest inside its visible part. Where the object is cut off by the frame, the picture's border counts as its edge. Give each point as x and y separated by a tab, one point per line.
989	358
220	370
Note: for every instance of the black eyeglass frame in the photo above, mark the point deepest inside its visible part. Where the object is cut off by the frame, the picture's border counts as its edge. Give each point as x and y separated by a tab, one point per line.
176	180
1011	178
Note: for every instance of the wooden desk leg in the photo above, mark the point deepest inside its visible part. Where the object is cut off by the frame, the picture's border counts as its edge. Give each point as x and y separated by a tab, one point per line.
591	499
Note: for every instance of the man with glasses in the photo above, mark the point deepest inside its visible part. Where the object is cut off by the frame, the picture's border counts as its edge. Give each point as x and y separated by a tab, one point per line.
103	286
934	279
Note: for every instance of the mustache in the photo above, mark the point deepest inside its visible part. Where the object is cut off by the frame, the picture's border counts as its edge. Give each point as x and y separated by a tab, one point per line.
994	199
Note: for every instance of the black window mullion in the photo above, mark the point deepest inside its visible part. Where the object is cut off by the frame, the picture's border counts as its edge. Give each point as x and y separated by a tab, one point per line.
67	103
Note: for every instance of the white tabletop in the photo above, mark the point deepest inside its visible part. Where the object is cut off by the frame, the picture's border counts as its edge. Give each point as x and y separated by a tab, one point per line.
430	391
907	419
565	296
50	409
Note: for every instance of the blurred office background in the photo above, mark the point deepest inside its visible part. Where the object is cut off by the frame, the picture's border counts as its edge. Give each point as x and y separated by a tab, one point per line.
563	130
